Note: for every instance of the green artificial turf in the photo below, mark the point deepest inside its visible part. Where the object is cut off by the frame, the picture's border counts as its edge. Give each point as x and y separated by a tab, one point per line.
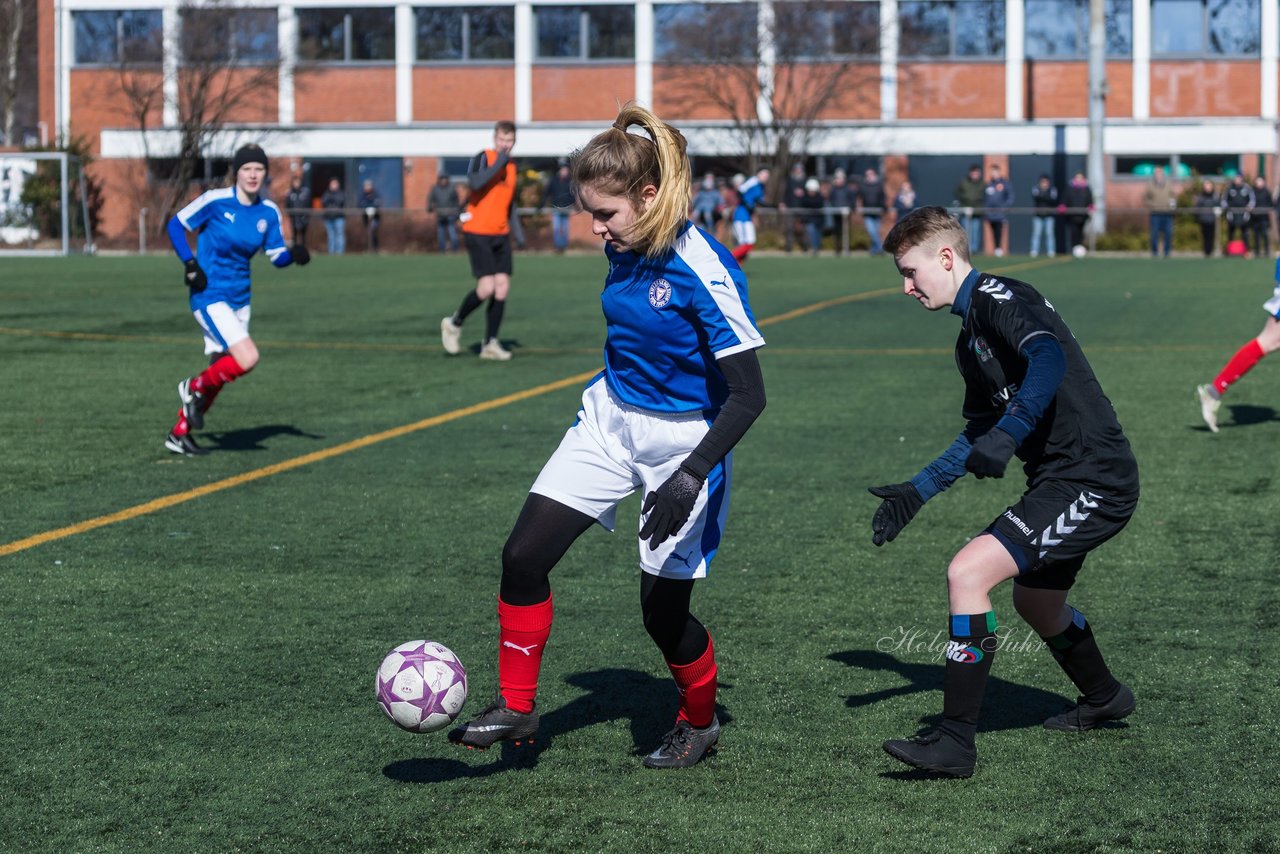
197	674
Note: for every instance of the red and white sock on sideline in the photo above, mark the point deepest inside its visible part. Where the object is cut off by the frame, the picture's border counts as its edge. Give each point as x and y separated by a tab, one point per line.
1239	365
697	685
522	636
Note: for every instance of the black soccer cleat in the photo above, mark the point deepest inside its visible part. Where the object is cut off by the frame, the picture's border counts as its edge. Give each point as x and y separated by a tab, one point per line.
184	445
192	404
496	723
685	746
1085	716
936	750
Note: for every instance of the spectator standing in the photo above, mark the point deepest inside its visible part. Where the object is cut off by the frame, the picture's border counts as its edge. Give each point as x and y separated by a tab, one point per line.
1263	205
1160	198
969	194
998	198
443	202
559	193
707	204
1207	206
1077	204
792	194
904	201
371	203
872	199
334	202
844	196
1044	197
811	205
1239	201
297	201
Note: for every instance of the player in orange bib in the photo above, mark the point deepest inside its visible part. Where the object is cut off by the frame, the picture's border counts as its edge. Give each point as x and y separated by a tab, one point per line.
488	225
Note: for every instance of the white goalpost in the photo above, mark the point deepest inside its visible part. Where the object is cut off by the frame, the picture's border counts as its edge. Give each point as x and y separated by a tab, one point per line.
44	205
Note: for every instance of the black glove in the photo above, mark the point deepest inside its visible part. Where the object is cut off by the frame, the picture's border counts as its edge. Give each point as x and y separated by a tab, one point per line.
900	505
194	276
301	255
669	506
990	454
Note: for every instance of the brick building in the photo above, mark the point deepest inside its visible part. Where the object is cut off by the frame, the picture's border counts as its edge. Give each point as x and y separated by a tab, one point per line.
397	92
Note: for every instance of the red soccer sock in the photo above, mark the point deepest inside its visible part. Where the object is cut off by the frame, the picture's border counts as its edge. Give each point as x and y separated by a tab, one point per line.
214	377
522	636
742	250
182	428
697	685
1244	359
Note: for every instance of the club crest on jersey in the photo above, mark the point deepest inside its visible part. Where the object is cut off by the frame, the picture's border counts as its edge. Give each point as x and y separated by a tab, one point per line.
262	226
659	293
982	349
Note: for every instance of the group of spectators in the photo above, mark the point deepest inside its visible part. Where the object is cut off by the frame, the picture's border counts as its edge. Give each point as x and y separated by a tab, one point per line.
298	201
1245	210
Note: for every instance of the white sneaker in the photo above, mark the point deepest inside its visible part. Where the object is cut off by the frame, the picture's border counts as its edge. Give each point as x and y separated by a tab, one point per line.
450	335
493	350
1209	404
999	253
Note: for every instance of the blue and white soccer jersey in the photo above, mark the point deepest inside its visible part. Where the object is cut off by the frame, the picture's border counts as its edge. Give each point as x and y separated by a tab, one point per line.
231	233
750	192
669	319
1273	305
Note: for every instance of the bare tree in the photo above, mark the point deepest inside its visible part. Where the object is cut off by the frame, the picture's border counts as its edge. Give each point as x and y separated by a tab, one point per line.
774	70
17	53
227	72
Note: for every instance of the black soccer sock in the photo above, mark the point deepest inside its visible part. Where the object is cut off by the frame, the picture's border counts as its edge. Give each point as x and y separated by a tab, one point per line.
469	304
969	655
493	318
1078	655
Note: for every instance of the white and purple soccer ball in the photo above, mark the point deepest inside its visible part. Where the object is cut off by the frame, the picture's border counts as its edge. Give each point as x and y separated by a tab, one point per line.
421	685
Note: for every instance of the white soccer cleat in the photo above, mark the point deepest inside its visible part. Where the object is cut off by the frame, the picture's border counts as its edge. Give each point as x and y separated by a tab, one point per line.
450	336
1209	405
494	351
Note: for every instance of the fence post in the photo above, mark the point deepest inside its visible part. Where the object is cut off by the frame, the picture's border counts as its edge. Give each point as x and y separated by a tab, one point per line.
142	231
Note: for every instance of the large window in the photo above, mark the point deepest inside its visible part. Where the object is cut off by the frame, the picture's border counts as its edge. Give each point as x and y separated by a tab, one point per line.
817	30
105	38
347	35
230	35
948	29
1206	27
680	32
1059	29
590	32
471	34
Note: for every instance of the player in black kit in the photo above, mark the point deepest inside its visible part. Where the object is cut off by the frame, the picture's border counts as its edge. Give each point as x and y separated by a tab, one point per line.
1028	390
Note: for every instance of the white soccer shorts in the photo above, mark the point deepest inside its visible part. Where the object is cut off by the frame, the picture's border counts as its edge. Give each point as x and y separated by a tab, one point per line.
223	326
1273	305
614	450
744	232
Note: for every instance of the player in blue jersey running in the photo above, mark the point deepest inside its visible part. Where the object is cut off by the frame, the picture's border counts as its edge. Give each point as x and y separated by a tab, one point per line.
750	195
1255	349
681	386
233	224
1029	391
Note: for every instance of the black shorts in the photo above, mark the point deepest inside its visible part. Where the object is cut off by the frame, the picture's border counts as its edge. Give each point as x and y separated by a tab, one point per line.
490	253
1054	526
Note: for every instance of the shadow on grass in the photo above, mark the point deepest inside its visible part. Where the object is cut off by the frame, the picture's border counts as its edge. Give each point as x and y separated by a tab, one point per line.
251	439
1007	705
1244	415
648	702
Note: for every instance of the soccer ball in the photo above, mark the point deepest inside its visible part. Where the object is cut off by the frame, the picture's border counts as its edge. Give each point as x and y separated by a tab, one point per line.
1079	251
421	685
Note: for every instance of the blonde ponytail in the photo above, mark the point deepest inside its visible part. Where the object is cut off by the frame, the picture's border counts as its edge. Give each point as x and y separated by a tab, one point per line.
622	164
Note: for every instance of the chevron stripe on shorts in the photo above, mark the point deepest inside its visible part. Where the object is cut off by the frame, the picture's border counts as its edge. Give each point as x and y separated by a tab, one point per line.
1070	519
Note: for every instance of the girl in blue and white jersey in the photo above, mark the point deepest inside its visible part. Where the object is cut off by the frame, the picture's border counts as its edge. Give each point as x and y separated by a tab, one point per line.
680	387
233	224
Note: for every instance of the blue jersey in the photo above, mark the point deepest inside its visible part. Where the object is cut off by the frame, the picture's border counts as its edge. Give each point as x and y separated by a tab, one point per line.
669	318
750	192
231	233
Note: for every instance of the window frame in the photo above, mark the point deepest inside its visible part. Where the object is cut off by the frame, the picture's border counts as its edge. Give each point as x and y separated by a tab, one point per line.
1082	32
904	54
584	53
234	16
1205	50
467	14
119	42
748	8
349	36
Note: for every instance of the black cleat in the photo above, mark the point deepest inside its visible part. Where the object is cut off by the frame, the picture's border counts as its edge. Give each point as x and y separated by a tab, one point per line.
184	445
936	750
1084	715
192	404
684	746
496	723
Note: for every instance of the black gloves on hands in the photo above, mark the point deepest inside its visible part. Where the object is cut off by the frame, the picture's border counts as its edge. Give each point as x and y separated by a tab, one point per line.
300	254
194	276
990	454
669	506
900	505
